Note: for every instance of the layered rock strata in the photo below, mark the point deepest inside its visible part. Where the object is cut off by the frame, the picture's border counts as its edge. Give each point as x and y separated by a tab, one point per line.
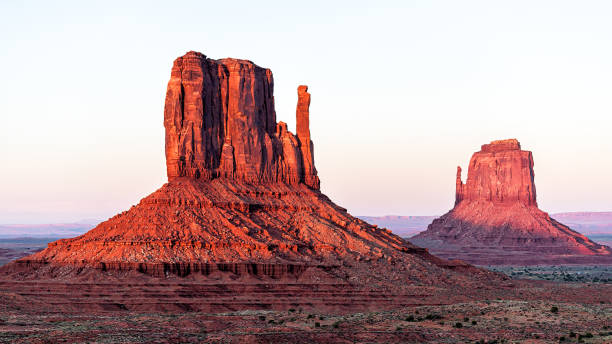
496	209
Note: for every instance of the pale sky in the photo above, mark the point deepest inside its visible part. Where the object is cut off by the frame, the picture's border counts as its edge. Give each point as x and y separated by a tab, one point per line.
402	93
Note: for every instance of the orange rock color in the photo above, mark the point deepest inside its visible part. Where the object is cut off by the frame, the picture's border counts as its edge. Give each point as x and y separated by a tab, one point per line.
220	122
500	173
496	209
242	197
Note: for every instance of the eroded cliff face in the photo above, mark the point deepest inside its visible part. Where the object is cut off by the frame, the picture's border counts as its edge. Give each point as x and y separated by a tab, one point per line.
500	173
496	210
220	122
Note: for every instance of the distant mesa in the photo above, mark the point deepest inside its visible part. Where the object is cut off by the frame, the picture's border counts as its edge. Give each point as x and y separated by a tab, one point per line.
404	226
242	198
496	217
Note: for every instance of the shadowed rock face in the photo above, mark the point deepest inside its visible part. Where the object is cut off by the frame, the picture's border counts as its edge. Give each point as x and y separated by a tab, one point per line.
496	209
220	122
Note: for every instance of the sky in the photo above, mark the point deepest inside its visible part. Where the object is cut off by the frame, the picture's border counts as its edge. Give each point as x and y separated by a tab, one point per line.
402	93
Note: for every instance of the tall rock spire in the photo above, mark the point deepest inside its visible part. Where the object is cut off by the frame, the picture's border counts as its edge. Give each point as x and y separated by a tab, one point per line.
302	114
458	187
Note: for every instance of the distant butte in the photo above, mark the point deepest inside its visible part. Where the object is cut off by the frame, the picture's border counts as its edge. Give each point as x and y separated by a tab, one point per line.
220	122
496	218
242	200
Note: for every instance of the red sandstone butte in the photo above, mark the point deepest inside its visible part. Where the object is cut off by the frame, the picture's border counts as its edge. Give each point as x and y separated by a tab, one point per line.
220	122
496	209
243	198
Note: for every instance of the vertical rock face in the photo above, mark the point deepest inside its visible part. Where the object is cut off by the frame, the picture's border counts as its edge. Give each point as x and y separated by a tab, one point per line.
303	133
496	210
458	187
220	122
500	173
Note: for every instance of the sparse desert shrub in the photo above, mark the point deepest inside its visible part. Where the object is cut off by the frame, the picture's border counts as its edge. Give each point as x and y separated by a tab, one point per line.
262	317
291	310
466	319
554	309
410	318
433	317
562	339
572	334
317	324
337	324
458	325
310	316
474	322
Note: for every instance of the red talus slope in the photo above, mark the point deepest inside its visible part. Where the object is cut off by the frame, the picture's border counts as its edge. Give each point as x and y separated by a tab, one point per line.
276	230
227	221
496	208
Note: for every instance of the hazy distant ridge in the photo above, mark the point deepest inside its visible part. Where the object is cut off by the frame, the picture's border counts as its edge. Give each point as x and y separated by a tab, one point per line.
55	230
588	223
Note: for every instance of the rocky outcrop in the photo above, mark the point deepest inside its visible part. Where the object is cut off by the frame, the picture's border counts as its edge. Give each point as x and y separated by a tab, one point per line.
303	134
500	173
220	122
189	220
242	199
496	210
458	187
